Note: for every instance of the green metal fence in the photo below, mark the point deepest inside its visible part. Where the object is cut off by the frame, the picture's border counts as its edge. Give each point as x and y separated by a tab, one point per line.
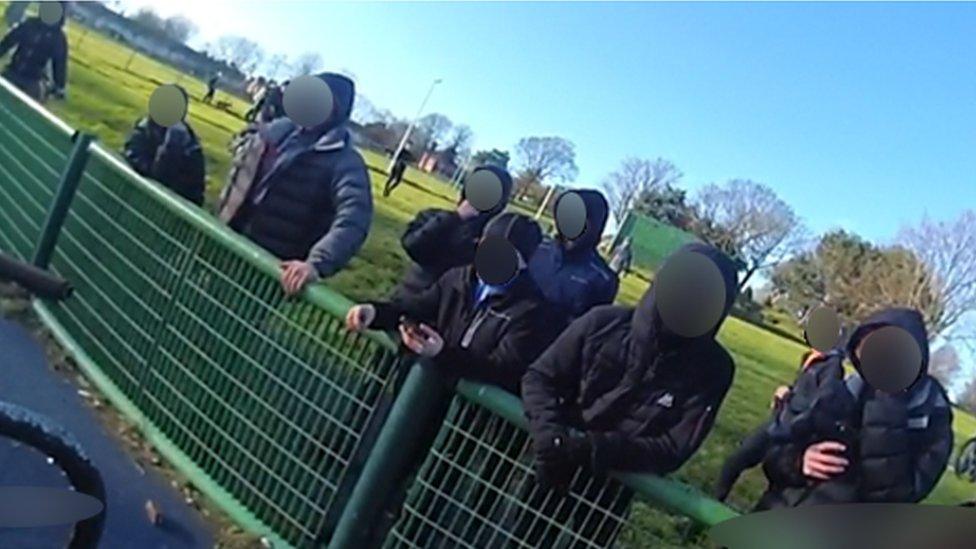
285	420
34	148
476	488
651	240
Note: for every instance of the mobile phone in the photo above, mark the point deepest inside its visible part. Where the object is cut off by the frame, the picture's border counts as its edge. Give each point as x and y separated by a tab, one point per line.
411	325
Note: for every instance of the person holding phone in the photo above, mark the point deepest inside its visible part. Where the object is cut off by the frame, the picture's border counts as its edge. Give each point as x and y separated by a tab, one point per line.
469	323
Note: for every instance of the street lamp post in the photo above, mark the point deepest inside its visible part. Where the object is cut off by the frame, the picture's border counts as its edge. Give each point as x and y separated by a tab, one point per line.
406	134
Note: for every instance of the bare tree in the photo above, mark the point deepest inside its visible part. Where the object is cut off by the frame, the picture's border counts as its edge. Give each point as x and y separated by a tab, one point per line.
148	18
944	364
541	159
180	28
460	140
240	52
947	254
307	63
634	177
274	64
750	222
433	129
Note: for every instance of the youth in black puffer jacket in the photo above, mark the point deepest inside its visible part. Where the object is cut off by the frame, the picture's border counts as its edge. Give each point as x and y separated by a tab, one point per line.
899	446
489	336
37	44
303	193
171	156
644	397
438	240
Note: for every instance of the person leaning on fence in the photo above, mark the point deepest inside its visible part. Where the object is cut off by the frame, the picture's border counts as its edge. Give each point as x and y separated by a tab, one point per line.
37	44
621	390
302	193
812	403
438	240
896	444
467	327
570	272
170	155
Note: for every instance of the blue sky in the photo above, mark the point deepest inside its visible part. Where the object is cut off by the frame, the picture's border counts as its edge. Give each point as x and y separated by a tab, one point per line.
861	116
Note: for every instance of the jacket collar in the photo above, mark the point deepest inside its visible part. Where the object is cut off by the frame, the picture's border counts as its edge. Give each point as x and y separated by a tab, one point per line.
332	140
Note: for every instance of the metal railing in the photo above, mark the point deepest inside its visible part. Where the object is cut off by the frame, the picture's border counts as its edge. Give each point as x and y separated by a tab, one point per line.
297	429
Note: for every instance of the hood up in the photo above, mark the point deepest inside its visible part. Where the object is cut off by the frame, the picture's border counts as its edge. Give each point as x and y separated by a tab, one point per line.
506	179
907	319
343	97
646	326
597	213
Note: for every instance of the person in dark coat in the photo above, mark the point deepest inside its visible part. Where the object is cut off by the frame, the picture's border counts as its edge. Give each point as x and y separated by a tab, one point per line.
620	390
303	194
571	274
895	451
37	44
795	409
396	174
211	88
437	240
468	328
170	155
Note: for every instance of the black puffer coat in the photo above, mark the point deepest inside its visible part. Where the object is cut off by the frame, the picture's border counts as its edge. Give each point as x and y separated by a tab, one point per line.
437	240
303	193
172	156
37	45
899	445
646	398
493	343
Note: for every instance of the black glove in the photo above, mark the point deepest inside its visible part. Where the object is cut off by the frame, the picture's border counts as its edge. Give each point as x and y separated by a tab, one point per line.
558	454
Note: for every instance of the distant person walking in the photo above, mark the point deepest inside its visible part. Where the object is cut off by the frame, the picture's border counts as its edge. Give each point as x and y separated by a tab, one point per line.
211	88
396	175
622	257
303	194
36	42
170	155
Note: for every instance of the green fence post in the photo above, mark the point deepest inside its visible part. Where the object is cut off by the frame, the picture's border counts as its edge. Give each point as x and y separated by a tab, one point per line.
67	185
396	443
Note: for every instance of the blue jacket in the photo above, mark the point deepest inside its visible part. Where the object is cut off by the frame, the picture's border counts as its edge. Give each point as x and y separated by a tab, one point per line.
571	274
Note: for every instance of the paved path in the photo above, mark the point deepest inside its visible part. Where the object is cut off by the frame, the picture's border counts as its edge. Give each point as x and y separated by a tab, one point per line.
27	380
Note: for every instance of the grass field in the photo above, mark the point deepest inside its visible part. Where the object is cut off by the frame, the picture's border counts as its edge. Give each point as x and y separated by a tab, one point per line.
105	98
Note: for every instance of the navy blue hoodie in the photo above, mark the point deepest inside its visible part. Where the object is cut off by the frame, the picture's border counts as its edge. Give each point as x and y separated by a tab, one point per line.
571	274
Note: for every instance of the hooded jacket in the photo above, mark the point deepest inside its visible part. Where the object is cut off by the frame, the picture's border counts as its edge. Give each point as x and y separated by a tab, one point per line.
438	240
899	445
571	274
302	193
172	156
492	341
646	398
37	44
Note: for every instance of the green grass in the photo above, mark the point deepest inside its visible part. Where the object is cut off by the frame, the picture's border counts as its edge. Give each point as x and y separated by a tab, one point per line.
106	99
